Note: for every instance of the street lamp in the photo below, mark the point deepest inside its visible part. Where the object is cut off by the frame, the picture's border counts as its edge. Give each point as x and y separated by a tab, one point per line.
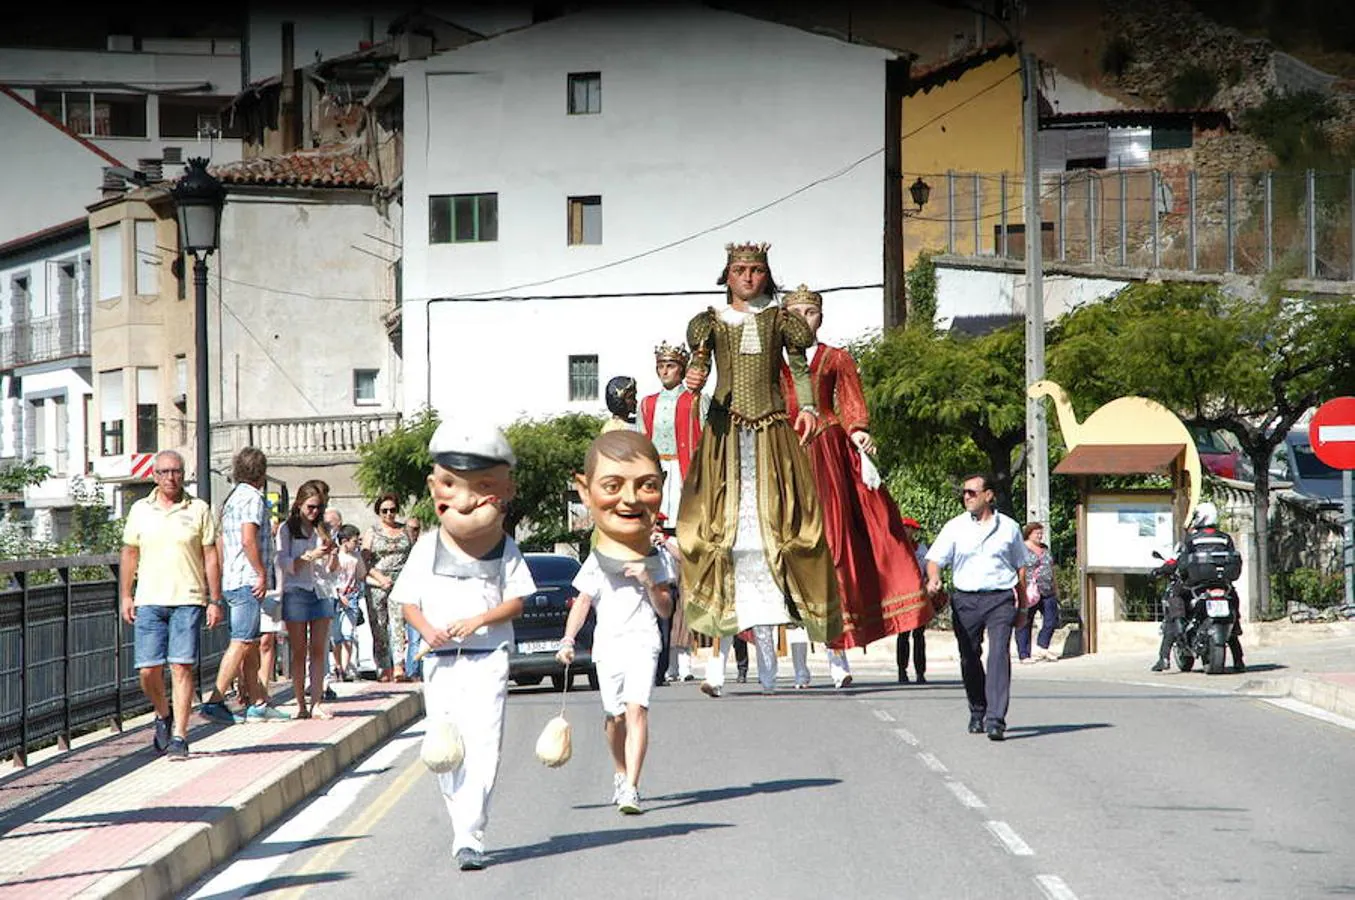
199	198
921	192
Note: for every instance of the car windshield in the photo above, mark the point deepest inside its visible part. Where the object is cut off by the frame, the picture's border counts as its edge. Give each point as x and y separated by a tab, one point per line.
1309	466
1207	441
552	569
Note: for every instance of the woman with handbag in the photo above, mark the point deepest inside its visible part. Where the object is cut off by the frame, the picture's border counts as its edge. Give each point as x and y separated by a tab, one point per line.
1042	596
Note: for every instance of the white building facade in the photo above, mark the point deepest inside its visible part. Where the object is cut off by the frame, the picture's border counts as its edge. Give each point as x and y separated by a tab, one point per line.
591	169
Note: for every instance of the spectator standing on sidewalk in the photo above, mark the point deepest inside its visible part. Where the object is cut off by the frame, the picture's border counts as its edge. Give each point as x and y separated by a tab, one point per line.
386	546
348	611
987	558
169	552
270	615
246	547
304	546
918	636
1042	596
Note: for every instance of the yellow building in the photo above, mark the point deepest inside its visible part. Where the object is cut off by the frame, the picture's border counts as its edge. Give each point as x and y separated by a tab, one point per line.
961	133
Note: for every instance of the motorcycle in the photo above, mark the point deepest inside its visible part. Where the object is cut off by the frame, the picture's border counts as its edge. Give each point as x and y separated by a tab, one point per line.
1209	618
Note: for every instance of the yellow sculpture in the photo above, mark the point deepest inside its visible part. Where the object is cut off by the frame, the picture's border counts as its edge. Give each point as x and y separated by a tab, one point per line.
1125	420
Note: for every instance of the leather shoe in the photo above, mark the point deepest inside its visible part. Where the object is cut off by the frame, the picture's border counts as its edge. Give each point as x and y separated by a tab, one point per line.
976	723
997	732
1160	666
920	679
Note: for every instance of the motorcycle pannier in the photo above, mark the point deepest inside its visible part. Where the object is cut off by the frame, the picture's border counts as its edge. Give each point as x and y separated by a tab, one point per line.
1212	565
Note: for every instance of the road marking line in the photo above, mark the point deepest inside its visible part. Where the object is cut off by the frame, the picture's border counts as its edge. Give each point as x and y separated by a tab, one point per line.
1316	712
239	878
883	715
1010	839
906	736
930	761
1054	888
965	795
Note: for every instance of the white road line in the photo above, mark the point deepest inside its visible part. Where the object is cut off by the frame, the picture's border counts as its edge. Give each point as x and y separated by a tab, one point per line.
313	819
1316	712
965	795
865	700
1054	888
906	736
882	715
1010	839
930	761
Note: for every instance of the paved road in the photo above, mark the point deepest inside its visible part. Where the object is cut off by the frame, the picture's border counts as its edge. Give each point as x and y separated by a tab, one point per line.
1101	791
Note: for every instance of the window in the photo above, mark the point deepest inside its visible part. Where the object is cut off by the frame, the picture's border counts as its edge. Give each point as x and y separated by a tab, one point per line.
96	115
583	378
60	435
147	410
364	387
1172	138
37	430
65	289
585	220
147	259
110	261
19	298
585	93
463	218
111	412
192	117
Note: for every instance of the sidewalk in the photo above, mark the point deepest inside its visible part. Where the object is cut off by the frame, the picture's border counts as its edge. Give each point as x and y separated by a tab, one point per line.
111	819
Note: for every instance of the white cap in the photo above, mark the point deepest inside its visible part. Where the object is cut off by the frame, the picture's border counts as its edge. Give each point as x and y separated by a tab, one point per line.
470	444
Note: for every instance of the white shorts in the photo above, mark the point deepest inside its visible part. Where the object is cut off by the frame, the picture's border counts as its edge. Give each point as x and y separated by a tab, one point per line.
626	675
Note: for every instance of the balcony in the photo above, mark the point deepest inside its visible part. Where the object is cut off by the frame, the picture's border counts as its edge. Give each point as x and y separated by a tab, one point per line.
31	341
311	441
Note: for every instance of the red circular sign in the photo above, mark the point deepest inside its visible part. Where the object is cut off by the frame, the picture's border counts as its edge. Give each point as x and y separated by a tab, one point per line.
1332	433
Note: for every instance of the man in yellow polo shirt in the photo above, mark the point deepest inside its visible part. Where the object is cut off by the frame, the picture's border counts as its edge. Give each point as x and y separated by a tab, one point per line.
171	538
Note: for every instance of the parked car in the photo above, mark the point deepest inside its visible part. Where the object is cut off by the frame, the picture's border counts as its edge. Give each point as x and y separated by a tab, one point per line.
542	623
1220	454
1295	461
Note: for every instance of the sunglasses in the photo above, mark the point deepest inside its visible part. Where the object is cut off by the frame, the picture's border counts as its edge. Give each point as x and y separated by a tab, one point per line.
970	492
386	509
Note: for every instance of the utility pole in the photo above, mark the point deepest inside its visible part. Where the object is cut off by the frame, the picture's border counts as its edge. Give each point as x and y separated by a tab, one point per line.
1037	433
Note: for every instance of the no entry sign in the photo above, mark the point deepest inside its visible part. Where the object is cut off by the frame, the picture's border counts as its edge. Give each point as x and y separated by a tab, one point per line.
1332	433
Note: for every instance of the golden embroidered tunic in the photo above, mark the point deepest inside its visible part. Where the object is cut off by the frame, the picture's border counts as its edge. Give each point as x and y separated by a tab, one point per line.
749	524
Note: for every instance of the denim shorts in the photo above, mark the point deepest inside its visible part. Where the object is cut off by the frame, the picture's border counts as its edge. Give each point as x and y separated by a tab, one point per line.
243	607
304	605
166	634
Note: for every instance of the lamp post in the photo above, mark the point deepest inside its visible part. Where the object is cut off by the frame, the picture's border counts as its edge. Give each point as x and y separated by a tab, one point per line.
199	198
921	192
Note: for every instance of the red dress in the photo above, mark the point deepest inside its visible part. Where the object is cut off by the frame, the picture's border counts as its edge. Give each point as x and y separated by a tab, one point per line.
876	564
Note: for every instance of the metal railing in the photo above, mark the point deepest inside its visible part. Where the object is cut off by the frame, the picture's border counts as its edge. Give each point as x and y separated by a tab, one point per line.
66	656
46	338
328	439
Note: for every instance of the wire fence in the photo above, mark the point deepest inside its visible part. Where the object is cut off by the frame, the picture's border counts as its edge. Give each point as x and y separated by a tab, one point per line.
1174	219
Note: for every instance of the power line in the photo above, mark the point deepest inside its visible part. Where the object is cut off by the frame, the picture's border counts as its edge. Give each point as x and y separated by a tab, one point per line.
476	298
264	349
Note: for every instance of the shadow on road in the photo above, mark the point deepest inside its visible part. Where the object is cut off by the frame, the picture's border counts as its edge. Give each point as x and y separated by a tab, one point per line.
283	882
1030	731
715	795
569	843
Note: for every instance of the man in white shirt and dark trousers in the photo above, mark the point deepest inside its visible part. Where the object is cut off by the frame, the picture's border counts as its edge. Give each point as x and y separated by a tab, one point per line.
987	557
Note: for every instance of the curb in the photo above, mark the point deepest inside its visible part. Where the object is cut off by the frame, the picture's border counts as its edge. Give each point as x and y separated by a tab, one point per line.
179	860
1335	698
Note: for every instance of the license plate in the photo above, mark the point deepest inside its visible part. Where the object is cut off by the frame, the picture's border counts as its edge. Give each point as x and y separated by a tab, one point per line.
1216	609
538	646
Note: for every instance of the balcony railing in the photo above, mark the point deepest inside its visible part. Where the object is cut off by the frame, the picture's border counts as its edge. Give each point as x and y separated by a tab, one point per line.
30	341
302	441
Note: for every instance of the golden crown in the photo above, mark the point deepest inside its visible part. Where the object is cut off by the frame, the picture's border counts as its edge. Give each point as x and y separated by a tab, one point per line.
802	295
747	253
666	352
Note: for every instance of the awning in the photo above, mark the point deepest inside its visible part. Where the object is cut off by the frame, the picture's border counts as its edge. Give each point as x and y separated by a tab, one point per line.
1119	459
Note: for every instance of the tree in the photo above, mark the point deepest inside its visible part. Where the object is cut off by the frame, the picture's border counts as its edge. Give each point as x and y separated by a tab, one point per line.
19	475
549	452
932	393
1250	366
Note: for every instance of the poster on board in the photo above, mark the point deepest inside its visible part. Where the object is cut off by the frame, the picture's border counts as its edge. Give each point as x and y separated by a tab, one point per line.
1123	530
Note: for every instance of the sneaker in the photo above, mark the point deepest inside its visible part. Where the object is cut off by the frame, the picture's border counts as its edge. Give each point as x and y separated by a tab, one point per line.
1160	666
262	712
1028	660
689	677
628	804
1047	655
845	682
178	748
743	678
618	782
709	689
469	859
218	711
160	740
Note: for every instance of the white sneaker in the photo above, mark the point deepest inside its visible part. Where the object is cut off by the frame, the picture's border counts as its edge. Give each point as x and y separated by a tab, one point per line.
618	782
1029	661
628	800
1047	655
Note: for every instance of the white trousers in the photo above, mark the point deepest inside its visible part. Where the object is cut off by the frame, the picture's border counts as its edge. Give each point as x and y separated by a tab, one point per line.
838	667
764	637
679	663
470	691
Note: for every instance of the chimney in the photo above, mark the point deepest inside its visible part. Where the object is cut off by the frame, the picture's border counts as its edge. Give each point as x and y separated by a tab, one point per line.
152	168
289	121
113	184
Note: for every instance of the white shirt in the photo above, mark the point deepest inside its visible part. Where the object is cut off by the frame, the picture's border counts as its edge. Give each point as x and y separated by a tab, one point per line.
445	599
982	555
625	615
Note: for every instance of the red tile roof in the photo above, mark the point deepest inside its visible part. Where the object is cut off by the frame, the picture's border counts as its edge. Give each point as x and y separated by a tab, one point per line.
340	166
924	78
